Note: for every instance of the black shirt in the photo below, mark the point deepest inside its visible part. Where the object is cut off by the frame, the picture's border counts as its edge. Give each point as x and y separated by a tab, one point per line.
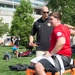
16	43
43	29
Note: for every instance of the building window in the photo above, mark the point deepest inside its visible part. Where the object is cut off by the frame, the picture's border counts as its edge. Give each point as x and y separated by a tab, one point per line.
7	5
14	0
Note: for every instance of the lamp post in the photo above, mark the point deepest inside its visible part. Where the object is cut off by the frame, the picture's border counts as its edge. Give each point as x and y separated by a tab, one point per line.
13	4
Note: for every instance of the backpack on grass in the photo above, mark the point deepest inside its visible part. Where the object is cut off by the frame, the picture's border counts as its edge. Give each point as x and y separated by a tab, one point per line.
18	67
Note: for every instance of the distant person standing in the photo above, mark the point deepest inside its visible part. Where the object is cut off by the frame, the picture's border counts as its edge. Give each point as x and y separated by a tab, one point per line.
12	40
16	46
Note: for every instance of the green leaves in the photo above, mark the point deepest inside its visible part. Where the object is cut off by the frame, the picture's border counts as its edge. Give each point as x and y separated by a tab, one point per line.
22	21
66	7
3	27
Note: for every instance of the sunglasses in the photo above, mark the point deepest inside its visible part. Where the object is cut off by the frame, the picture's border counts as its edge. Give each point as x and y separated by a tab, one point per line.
46	12
50	19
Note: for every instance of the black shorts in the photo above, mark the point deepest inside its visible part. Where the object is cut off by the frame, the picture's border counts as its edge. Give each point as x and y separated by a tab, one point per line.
49	67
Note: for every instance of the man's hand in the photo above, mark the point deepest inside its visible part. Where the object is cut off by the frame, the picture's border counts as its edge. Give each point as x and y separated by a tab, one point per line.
32	44
47	54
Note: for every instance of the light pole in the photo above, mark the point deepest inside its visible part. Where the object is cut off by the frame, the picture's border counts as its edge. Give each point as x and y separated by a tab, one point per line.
13	4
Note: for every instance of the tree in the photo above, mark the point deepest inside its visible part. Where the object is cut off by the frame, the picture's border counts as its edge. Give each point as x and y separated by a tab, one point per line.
22	21
66	7
3	28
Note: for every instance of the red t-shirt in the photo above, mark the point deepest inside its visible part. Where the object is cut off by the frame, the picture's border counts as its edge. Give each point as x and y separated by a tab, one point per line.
61	31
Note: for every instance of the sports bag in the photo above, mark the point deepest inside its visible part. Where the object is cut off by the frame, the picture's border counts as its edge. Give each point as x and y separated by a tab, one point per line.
18	67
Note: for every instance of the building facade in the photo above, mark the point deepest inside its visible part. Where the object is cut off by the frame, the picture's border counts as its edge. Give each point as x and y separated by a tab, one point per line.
7	7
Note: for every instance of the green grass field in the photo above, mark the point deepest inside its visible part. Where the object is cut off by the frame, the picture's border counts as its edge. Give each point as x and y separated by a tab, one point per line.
4	69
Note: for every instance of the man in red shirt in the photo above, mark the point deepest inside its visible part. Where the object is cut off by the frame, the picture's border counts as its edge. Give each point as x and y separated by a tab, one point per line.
60	41
60	50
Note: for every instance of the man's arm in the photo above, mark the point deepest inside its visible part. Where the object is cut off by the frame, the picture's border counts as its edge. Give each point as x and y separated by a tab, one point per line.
31	39
69	26
72	31
60	43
